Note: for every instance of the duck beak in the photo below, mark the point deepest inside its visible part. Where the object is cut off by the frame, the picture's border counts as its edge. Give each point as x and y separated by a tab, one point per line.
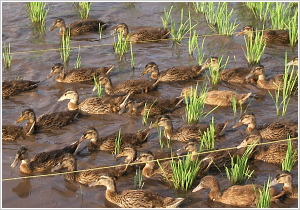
237	125
240	33
153	125
52	27
273	182
249	75
61	98
243	144
181	151
15	162
94	183
19	120
199	187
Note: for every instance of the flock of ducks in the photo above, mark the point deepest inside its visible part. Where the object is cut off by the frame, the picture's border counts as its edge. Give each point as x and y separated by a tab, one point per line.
120	99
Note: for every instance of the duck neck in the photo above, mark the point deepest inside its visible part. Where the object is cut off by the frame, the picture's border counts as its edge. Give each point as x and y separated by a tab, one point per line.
72	176
109	88
29	127
73	104
63	29
111	192
288	188
148	169
261	81
125	32
251	127
26	167
168	132
215	193
61	76
155	73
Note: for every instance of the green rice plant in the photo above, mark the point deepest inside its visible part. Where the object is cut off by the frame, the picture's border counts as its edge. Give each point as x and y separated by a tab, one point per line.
208	137
65	47
279	15
37	11
290	157
234	106
255	48
260	10
84	9
166	18
200	53
275	99
293	28
211	14
239	172
132	56
146	114
214	74
99	87
193	42
78	59
200	6
264	200
159	132
121	46
118	142
100	32
138	179
184	172
6	55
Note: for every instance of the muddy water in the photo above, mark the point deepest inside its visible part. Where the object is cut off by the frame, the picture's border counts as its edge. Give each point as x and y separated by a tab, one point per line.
35	55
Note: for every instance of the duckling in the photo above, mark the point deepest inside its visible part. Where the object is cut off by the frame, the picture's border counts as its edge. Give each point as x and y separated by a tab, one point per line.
127	86
84	74
152	170
270	131
107	143
93	105
187	132
43	161
47	122
15	87
86	177
271	36
134	198
79	27
285	178
232	75
237	195
152	34
179	73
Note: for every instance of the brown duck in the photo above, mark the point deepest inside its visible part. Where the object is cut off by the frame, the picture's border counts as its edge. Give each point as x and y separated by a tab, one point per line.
15	87
107	143
151	34
84	74
79	27
134	198
285	178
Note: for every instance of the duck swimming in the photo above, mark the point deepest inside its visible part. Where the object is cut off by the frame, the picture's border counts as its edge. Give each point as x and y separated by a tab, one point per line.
15	87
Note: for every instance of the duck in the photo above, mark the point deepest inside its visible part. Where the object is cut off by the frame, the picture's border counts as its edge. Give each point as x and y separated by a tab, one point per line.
15	87
293	62
93	105
270	36
150	34
78	27
152	170
231	75
187	132
288	191
88	176
128	86
44	161
107	143
179	73
237	195
134	198
219	97
270	131
47	122
84	74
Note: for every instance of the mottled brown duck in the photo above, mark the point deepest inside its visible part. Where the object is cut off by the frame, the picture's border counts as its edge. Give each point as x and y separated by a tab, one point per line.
134	198
93	105
270	36
15	87
79	27
269	131
187	132
83	74
288	190
43	161
127	86
179	73
150	34
107	143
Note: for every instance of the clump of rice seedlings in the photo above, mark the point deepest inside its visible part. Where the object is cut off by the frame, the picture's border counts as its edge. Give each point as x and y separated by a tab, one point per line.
99	87
37	11
208	137
278	15
200	6
293	29
78	59
121	46
239	172
65	47
290	157
138	179
214	74
159	132
193	42
264	200
234	106
6	55
260	10
200	53
118	142
166	18
184	172
132	56
255	48
84	9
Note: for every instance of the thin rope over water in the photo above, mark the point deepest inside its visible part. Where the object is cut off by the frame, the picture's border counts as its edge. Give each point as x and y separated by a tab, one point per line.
129	164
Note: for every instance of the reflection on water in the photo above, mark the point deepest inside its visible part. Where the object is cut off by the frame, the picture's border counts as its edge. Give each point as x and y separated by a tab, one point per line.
23	188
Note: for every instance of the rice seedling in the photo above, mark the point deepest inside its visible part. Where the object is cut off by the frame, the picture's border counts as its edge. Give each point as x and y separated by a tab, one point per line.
159	132
193	42
118	142
239	172
121	46
234	106
99	87
200	53
208	137
84	9
184	172
278	15
138	179
78	59
6	55
65	47
264	200
290	157
163	171
293	28
100	32
255	48
199	6
132	56
166	18
214	74
260	10
37	11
